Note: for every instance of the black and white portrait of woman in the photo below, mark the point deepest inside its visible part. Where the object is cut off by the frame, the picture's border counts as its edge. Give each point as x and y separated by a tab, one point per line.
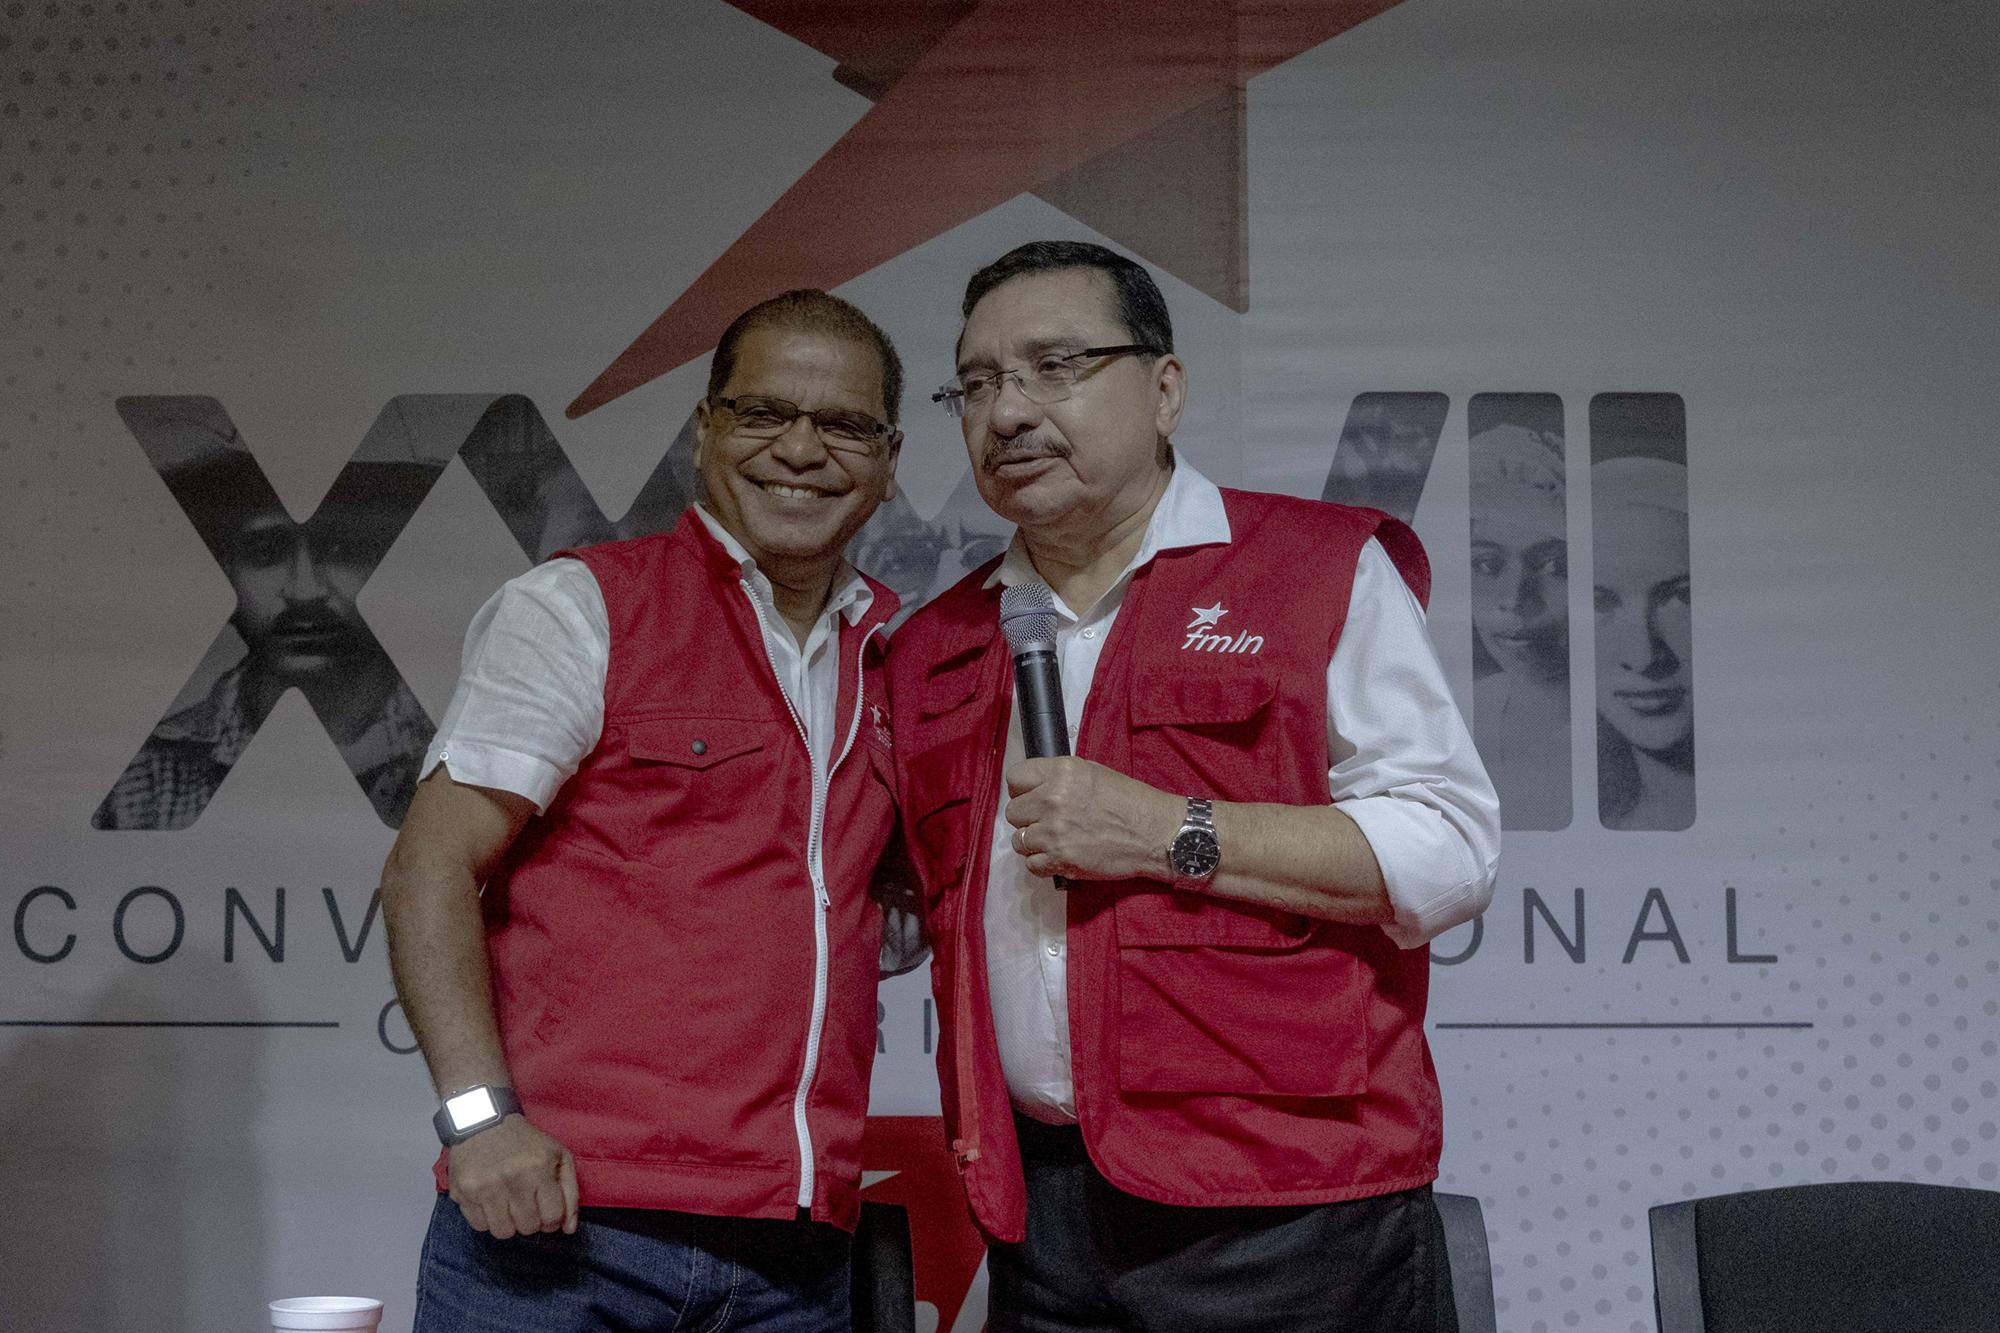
1645	648
1520	619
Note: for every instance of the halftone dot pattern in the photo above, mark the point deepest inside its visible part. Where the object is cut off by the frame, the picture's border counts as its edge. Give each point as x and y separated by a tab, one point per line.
1883	907
146	149
144	145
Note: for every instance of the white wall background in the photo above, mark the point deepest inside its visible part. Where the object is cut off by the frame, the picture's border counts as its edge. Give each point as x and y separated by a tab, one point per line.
1781	212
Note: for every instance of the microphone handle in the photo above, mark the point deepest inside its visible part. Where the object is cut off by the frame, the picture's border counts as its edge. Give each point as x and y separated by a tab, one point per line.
1038	697
1038	691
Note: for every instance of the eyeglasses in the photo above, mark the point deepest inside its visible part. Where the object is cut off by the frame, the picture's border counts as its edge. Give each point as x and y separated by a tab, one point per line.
761	418
1049	380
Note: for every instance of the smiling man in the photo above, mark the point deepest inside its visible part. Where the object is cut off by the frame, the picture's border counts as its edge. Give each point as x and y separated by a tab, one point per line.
652	1032
1188	1083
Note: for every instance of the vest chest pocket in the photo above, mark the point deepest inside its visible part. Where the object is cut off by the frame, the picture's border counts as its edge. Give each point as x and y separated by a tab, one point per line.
1205	735
937	803
1217	997
1221	997
1245	1022
700	767
952	687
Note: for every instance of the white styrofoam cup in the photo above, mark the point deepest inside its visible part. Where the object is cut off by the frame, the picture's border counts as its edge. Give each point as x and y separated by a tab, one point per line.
350	1314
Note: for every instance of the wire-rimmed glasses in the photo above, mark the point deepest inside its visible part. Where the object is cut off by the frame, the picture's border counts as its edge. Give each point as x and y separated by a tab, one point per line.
759	417
1050	378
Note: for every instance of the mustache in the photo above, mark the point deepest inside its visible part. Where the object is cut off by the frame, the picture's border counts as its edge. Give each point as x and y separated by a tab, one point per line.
1021	449
307	622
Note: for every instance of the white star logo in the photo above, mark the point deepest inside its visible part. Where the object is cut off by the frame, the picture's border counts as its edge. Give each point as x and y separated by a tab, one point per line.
1206	615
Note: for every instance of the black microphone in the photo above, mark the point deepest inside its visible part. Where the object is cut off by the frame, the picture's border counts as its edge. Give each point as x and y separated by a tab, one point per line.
1028	619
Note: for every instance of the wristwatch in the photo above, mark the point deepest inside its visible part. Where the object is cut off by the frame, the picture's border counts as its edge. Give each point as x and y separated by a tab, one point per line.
480	1106
1195	852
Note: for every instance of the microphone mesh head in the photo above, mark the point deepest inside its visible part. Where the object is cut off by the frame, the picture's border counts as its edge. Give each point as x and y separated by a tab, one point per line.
1028	617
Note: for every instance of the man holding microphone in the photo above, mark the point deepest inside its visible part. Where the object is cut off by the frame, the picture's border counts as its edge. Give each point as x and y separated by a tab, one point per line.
1181	975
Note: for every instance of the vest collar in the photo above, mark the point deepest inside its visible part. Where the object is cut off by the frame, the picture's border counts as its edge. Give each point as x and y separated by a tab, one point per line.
1188	513
858	598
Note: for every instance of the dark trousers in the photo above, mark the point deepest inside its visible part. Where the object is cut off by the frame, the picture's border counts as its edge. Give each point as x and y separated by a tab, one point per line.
1099	1259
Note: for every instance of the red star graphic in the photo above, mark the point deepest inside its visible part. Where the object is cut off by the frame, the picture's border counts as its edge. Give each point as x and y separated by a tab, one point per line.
1127	114
948	1247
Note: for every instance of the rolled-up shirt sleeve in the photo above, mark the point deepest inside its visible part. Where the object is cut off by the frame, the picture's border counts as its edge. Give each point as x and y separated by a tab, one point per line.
1404	767
530	699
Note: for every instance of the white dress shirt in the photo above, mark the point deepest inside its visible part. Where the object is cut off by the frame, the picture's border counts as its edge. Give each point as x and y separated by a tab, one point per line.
1404	770
530	699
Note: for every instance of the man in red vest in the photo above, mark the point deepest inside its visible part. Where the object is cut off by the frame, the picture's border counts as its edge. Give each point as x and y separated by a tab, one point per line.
1187	1084
666	764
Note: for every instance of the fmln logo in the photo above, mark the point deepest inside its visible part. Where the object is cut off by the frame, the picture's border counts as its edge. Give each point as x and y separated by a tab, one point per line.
1204	636
979	101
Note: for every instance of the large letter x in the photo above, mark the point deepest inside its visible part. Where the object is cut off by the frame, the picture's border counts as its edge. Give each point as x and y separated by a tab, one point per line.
295	624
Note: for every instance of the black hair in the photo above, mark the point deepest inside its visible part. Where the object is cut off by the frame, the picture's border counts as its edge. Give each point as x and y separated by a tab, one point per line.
1141	308
810	310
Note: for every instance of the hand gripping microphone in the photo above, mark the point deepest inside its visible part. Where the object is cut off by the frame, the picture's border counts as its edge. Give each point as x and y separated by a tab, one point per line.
1028	619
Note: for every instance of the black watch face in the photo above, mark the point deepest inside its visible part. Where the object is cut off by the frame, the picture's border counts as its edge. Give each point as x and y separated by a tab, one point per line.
1196	853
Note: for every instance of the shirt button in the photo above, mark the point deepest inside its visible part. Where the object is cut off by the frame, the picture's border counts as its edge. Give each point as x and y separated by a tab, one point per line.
699	747
1090	633
1055	951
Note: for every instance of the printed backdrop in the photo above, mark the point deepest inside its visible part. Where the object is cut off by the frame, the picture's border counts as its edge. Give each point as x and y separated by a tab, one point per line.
1670	325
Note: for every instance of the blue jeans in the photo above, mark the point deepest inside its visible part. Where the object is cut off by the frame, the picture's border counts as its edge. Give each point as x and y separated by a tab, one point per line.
634	1269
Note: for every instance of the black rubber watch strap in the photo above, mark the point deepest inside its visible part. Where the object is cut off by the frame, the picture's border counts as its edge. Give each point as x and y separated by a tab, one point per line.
505	1103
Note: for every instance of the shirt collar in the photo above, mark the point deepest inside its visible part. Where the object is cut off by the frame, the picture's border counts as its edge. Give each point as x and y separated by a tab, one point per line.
851	596
216	721
1188	513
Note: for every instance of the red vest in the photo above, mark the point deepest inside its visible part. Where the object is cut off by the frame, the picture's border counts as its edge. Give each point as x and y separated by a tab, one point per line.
1223	1053
653	937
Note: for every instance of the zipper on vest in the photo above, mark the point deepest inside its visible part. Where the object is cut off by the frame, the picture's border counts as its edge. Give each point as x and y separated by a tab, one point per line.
799	1127
965	1149
816	853
816	870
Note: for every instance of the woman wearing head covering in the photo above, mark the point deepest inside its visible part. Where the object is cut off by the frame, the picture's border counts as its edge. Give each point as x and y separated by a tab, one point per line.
1520	618
1645	660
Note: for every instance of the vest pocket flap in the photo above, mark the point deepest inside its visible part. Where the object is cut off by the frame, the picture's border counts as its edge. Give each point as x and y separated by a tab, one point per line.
951	687
882	761
937	778
1161	700
694	742
1241	1023
937	809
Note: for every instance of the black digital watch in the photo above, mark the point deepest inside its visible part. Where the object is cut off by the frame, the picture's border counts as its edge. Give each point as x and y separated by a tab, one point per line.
480	1106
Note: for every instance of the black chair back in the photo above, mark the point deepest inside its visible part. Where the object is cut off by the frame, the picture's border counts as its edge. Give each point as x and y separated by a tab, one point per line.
1853	1258
883	1285
1471	1265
